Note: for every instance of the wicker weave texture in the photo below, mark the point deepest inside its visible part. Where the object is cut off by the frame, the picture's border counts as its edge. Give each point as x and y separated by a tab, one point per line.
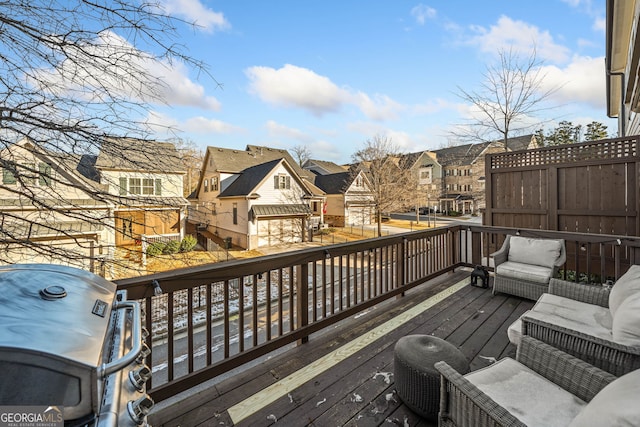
416	380
518	287
464	405
589	294
609	356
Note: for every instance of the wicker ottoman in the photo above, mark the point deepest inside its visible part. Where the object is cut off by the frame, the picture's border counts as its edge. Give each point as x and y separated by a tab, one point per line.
417	381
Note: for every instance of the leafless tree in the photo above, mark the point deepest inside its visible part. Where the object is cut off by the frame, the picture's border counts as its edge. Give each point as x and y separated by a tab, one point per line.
191	157
510	95
301	153
392	182
75	79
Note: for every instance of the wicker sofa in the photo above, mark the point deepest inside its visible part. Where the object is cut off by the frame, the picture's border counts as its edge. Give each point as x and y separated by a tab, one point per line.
524	266
542	387
597	325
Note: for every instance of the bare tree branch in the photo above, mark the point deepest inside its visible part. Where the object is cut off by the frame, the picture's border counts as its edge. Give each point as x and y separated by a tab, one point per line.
77	78
510	95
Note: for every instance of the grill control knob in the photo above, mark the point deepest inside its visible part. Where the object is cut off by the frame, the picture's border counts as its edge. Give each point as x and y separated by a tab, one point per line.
143	353
138	409
139	377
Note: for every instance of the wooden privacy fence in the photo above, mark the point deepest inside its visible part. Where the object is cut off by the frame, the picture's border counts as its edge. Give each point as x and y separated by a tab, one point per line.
591	187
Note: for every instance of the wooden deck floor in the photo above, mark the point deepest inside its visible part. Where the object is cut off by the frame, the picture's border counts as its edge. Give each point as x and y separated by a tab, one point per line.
344	377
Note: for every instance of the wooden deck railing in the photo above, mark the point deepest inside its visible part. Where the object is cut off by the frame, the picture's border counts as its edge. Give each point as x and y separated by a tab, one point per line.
213	318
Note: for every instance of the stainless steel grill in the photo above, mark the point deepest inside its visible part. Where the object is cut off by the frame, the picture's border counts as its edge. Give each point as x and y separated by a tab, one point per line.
68	338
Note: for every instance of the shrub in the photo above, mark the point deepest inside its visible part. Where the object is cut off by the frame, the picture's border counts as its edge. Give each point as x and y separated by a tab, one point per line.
188	243
171	247
156	248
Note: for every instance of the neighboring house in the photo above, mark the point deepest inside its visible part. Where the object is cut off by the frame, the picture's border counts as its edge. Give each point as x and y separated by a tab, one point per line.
621	62
49	212
462	180
147	178
257	197
428	173
349	198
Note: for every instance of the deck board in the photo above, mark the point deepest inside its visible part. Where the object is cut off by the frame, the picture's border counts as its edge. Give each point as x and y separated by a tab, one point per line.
350	393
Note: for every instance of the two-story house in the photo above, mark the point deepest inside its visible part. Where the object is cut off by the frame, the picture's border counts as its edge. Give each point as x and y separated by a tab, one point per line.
427	172
146	180
462	180
256	197
48	210
349	198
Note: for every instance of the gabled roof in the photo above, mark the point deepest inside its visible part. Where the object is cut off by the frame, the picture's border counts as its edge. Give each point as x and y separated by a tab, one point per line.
410	159
466	154
262	151
232	161
335	183
251	177
328	167
139	155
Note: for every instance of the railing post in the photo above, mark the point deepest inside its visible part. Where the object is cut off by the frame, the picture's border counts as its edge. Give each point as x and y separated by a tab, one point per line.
476	248
401	262
302	305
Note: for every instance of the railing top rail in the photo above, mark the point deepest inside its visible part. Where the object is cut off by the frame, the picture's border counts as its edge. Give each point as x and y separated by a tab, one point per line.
187	277
630	241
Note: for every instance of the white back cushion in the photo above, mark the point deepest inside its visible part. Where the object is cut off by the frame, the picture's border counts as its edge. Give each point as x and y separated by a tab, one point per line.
614	405
543	252
628	284
626	322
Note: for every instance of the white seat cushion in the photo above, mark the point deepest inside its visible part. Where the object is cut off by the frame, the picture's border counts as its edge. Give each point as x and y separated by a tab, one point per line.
575	315
527	272
529	397
514	331
568	313
614	405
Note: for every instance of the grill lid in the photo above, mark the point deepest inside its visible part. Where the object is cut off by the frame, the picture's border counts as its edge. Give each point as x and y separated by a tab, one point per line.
59	310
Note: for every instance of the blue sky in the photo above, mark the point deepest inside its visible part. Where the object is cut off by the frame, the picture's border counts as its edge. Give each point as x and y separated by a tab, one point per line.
331	74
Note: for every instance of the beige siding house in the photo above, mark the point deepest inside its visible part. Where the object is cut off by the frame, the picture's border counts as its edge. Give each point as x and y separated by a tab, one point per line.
48	210
349	198
257	197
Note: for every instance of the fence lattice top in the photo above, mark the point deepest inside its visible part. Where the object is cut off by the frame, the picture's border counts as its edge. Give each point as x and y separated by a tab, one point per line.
619	149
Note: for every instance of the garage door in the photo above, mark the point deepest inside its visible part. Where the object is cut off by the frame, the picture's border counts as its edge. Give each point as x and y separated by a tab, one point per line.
278	231
359	215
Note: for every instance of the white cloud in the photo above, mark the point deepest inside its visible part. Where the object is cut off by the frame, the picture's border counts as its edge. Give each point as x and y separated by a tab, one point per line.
297	87
600	24
277	130
120	71
582	80
196	12
292	86
519	36
179	89
164	123
423	12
